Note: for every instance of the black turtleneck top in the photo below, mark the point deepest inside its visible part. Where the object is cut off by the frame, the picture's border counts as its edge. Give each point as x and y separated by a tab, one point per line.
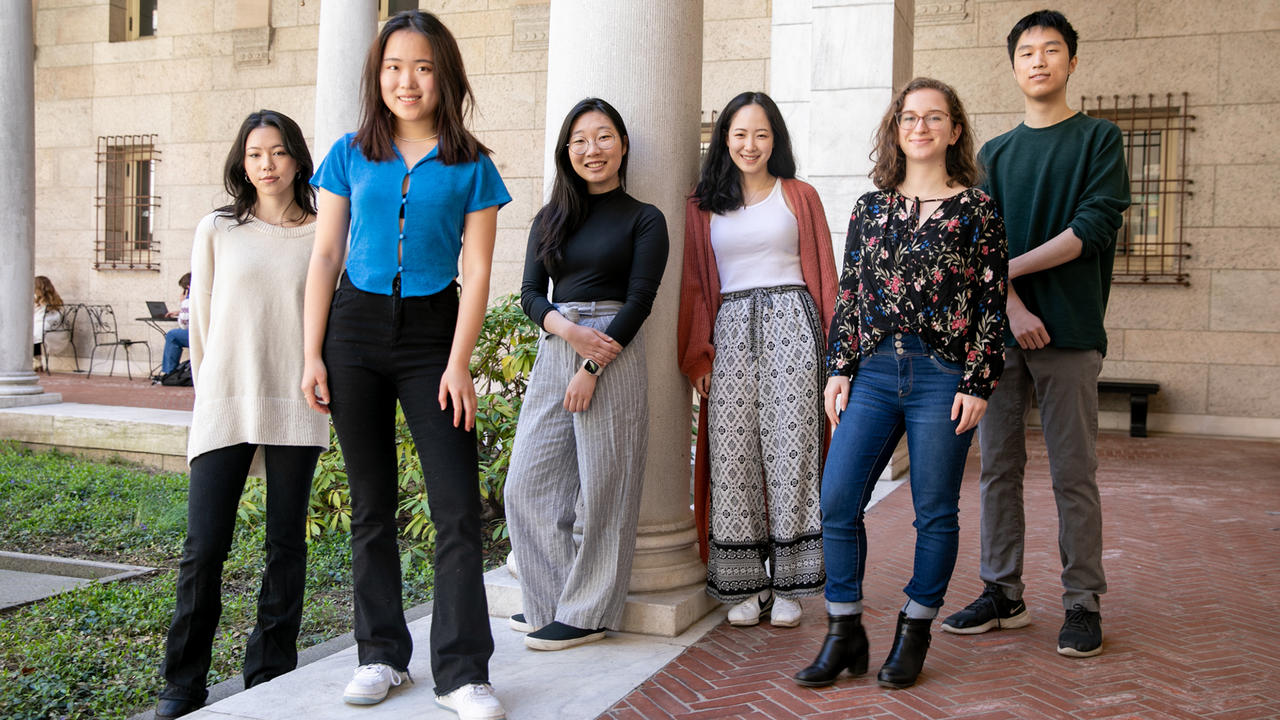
619	253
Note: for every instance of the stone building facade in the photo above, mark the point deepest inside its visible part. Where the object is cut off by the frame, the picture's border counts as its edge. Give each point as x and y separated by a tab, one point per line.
1212	340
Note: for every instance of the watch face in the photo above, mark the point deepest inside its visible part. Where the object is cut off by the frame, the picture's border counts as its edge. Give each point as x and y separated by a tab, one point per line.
592	367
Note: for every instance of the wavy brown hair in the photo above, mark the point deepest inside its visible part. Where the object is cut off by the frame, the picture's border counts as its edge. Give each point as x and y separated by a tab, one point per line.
891	165
46	294
377	125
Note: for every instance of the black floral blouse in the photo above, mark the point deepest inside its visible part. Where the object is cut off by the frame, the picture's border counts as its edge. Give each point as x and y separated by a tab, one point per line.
945	282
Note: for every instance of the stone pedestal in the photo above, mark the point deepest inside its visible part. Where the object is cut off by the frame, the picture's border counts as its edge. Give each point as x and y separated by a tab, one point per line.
346	31
645	58
18	384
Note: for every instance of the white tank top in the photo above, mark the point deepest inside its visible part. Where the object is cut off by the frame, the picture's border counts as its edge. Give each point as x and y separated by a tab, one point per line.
758	245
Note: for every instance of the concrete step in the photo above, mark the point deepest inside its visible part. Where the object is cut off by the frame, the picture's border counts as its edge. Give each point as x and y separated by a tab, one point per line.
151	437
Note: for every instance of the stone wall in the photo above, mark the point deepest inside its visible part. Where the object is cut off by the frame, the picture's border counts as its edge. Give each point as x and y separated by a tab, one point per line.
195	81
1213	345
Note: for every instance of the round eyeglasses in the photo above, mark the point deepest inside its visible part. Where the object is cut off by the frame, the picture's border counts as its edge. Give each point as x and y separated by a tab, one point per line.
933	121
580	145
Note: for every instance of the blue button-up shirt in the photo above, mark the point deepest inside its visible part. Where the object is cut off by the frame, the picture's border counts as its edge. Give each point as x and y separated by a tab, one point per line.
435	207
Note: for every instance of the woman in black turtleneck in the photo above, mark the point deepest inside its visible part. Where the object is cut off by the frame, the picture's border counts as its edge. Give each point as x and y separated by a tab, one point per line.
584	423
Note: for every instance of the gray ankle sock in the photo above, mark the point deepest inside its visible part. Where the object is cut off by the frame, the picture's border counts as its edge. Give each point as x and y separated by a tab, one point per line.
916	611
839	609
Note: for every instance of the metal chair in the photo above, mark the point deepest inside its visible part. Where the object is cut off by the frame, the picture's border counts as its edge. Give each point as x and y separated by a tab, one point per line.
65	325
102	320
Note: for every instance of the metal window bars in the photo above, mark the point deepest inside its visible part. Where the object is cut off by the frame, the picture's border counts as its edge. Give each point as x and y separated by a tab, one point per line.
125	202
1151	249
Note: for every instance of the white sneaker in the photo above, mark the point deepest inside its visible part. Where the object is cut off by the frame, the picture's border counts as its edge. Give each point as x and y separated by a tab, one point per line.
747	612
473	702
786	613
370	684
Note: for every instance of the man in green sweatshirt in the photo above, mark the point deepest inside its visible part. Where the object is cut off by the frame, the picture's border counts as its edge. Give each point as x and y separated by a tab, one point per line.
1061	182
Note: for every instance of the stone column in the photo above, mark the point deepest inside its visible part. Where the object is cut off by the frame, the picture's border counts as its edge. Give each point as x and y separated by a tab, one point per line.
346	31
645	58
18	384
835	66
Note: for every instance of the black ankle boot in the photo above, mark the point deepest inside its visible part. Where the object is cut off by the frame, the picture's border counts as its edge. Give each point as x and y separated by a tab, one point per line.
845	647
906	658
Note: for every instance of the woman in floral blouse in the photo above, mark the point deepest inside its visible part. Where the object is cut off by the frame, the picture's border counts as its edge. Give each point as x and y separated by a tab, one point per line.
916	347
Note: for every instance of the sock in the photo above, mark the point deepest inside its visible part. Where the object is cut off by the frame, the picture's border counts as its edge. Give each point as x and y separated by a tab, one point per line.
839	609
916	611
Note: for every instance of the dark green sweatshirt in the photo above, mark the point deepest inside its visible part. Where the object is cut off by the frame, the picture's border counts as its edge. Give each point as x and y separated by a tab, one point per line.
1045	180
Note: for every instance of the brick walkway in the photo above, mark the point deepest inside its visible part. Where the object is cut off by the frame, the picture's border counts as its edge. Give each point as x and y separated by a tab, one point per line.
116	390
1193	561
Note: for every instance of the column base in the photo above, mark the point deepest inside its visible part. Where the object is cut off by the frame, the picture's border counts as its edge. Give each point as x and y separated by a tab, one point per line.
19	389
666	613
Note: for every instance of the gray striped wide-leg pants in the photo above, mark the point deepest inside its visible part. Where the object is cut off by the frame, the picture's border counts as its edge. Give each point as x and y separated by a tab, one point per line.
596	456
765	429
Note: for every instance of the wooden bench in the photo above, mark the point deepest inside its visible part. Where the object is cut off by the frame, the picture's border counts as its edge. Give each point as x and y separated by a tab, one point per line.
1138	391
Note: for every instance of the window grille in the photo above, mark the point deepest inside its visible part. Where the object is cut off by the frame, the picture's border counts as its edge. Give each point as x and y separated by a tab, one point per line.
125	203
1150	249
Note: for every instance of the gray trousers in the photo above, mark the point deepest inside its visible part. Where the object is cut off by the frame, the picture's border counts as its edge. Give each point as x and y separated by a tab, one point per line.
586	467
1065	383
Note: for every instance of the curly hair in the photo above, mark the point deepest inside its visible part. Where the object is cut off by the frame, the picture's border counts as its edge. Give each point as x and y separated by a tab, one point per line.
891	164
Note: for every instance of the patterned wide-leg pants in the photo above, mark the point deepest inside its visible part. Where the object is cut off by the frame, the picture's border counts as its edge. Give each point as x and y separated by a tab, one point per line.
586	467
765	426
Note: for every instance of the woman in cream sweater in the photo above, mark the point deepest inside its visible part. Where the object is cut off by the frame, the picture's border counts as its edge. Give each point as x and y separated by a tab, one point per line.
248	269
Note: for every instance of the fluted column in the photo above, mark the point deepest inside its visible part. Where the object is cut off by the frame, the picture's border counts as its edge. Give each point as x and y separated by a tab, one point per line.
347	28
18	384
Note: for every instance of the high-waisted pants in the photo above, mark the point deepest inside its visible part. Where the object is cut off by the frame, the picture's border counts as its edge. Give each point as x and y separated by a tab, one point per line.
586	467
765	427
379	349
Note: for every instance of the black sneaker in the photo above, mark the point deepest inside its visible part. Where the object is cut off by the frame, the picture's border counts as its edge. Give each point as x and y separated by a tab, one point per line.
519	624
991	611
1081	634
558	636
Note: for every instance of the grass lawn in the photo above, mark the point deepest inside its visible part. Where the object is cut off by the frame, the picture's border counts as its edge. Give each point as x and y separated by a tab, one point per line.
95	652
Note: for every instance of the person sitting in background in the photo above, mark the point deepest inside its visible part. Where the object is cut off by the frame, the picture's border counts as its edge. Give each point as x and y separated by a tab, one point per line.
47	313
180	337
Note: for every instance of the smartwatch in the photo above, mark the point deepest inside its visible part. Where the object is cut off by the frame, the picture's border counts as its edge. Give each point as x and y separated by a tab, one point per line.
592	367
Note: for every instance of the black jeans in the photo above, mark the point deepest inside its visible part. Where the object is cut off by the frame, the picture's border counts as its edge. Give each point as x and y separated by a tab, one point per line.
217	480
377	349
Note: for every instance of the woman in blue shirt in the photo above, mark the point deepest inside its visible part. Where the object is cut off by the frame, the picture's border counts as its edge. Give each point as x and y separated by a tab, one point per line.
410	192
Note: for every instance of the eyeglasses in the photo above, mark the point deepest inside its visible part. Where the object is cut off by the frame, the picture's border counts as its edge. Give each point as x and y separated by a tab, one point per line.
908	121
604	141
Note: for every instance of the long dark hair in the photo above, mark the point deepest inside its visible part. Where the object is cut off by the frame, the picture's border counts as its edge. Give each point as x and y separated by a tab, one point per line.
891	164
377	126
720	185
565	212
243	194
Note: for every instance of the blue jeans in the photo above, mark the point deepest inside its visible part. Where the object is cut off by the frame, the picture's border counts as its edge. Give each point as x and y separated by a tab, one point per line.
901	387
174	341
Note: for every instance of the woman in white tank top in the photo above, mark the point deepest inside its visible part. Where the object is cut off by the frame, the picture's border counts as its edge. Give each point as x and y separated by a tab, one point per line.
756	299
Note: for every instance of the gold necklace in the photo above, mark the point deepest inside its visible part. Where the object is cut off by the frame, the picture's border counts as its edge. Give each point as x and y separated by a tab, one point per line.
405	139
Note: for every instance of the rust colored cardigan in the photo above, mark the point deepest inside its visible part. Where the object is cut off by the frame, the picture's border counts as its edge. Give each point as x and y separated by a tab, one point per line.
700	301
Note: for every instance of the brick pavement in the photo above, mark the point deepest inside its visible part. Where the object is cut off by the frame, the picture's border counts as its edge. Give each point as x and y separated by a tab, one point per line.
116	390
1192	534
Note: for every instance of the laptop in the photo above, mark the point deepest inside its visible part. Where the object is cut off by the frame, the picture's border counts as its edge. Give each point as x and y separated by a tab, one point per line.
158	309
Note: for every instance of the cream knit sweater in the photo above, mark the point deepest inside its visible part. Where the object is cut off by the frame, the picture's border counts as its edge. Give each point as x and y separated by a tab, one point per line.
247	283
